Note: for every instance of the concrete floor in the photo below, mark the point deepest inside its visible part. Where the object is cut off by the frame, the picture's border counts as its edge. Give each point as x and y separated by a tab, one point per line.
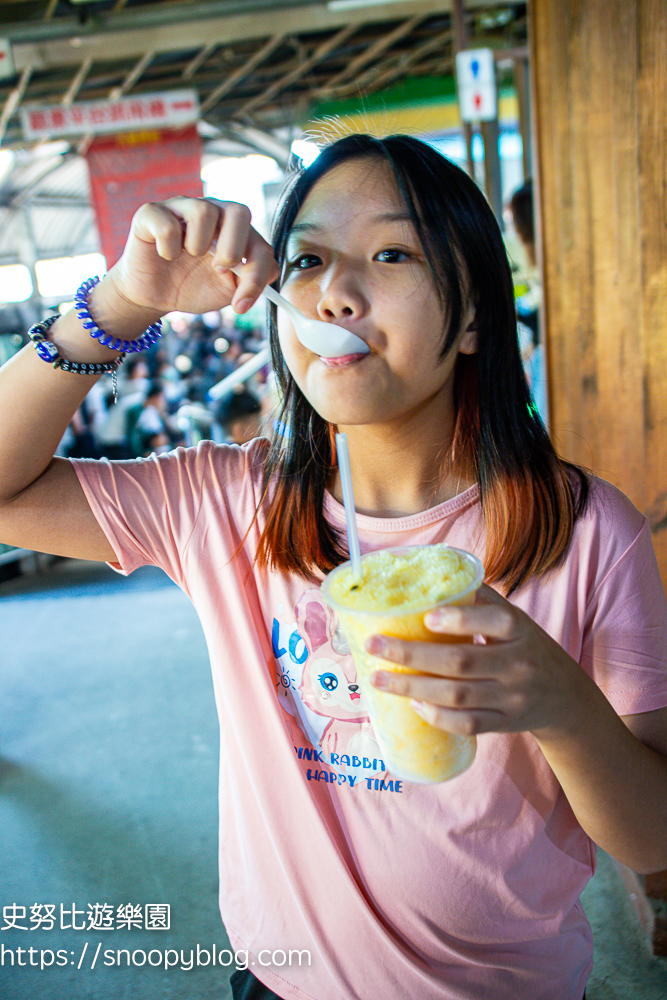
108	764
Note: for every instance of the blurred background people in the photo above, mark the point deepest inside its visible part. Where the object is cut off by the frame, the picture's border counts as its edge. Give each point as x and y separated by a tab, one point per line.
112	431
163	396
240	416
149	426
529	295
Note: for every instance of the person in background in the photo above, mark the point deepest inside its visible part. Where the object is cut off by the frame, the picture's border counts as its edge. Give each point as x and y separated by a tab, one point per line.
262	385
528	303
240	416
523	219
148	426
112	432
521	207
83	443
174	385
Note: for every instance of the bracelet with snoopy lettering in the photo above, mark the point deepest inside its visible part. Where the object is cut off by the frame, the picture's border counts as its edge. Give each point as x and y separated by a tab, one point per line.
49	352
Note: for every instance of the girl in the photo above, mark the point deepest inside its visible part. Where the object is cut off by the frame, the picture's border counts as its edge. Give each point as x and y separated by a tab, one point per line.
468	889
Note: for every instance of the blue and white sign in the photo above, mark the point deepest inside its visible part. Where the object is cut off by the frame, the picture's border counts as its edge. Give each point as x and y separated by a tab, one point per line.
476	80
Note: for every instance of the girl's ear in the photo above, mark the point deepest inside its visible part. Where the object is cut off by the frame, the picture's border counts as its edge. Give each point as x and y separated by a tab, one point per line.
468	339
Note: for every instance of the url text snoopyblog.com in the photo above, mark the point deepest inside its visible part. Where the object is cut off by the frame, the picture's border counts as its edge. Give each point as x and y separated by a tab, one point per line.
169	958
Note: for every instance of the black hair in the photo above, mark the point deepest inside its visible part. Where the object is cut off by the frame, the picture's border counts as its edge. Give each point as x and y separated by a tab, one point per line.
237	404
521	206
155	387
132	363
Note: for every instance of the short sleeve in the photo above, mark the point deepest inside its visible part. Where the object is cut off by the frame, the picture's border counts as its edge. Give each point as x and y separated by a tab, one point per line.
149	508
625	636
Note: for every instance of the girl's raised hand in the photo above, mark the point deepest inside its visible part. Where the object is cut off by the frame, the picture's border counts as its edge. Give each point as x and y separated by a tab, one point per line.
519	679
178	254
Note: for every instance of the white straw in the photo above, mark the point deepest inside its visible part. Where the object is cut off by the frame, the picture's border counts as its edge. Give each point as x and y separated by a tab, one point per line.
348	503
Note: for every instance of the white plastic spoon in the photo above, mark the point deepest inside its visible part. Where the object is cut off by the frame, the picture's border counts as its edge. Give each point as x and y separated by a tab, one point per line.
326	339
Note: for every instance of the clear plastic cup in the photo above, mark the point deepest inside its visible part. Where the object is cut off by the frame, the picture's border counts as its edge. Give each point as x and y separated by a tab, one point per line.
412	749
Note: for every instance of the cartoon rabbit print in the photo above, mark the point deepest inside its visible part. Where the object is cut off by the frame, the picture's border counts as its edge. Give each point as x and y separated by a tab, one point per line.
329	685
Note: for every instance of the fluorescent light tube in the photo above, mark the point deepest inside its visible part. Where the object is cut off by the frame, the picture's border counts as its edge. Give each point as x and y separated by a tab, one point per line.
350	4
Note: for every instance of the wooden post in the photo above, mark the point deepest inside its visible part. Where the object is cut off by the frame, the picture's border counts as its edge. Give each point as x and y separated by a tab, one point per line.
521	86
492	180
600	86
461	42
489	130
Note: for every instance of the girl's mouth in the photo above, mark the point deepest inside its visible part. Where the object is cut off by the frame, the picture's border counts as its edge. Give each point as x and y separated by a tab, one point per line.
347	359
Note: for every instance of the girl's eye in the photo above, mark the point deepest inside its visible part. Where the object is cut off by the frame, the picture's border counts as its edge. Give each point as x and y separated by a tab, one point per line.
391	256
305	261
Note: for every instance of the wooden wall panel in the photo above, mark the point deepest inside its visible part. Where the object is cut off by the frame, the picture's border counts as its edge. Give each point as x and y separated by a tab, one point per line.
599	77
652	90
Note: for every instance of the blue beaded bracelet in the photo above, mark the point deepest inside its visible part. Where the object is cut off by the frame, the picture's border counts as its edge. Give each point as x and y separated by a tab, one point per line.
142	343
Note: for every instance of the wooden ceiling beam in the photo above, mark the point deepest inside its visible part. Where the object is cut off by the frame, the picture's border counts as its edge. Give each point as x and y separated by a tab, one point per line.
132	43
24	194
371	53
258	57
76	84
263	142
117	92
404	62
14	99
198	60
320	52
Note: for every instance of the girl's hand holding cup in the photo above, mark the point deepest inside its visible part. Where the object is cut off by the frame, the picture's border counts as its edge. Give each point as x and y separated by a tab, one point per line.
518	679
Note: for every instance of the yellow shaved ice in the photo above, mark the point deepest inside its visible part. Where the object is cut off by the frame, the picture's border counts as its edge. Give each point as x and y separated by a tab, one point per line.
423	577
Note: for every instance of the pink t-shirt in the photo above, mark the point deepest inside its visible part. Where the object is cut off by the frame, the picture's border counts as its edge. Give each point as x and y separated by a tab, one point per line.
462	890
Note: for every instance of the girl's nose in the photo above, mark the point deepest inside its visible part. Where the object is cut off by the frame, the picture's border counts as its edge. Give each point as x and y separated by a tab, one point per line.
341	298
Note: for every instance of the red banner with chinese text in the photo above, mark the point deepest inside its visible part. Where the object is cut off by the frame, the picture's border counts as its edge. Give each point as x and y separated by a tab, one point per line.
129	169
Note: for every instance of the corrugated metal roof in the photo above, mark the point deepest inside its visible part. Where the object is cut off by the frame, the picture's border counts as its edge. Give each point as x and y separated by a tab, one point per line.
258	66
